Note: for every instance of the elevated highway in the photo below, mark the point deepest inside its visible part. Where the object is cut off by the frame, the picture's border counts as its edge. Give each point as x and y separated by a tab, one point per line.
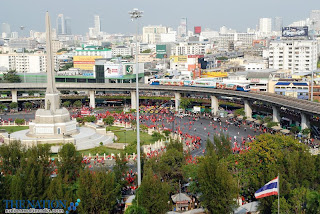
303	106
273	99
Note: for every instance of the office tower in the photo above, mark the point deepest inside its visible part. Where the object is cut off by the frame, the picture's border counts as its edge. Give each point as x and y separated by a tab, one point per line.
278	24
68	26
265	25
61	27
182	29
6	28
14	35
97	25
315	20
32	33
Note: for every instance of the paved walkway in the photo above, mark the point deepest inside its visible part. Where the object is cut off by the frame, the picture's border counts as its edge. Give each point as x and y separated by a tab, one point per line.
86	139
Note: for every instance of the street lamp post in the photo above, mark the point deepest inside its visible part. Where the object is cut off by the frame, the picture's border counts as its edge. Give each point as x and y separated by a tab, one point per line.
24	66
312	86
135	14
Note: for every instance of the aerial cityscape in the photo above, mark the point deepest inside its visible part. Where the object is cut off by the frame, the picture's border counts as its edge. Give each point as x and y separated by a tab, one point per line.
126	109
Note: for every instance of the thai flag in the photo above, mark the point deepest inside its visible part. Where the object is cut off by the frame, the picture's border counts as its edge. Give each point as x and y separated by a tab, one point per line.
271	188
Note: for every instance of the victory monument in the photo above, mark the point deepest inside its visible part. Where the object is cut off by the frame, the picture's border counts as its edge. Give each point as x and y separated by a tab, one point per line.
52	122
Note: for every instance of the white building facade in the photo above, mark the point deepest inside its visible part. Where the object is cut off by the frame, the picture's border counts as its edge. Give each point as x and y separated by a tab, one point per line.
295	55
94	51
97	25
28	63
152	34
121	51
184	48
265	25
244	40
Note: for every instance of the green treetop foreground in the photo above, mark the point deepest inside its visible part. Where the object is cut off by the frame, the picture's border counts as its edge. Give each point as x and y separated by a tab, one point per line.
217	178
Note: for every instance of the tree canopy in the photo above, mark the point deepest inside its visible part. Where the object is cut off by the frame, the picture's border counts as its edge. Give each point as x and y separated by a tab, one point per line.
219	177
153	194
11	77
109	120
269	155
70	162
77	104
184	103
217	185
13	105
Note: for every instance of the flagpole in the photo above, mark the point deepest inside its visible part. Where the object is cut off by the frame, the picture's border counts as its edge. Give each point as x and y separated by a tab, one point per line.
278	193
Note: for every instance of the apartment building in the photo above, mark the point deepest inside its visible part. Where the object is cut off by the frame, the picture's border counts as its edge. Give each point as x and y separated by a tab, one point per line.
26	63
152	34
295	55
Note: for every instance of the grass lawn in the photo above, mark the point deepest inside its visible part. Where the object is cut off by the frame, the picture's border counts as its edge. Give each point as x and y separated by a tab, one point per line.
11	129
113	128
100	150
131	136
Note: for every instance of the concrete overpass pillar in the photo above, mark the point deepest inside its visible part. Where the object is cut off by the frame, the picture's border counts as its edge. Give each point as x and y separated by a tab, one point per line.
247	109
177	98
214	105
133	100
305	123
92	99
276	114
14	94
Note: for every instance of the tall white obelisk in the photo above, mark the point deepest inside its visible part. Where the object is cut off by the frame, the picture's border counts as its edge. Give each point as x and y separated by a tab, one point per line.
53	122
52	98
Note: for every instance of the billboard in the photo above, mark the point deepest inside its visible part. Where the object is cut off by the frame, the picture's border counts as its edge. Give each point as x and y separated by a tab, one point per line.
259	43
129	69
181	58
294	31
161	51
195	56
197	29
112	70
85	62
196	108
85	112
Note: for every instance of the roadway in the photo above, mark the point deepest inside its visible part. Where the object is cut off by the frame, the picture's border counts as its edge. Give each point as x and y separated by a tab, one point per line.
303	106
201	128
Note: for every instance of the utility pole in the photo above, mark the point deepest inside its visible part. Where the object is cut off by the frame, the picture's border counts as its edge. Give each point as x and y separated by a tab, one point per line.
135	15
24	63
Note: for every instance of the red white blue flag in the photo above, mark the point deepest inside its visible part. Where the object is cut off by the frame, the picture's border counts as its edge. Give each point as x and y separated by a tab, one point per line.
271	188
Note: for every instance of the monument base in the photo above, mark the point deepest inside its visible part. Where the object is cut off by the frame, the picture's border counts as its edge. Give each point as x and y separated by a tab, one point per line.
52	124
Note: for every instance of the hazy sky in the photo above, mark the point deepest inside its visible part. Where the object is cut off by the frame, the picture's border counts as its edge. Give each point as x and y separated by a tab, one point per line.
237	14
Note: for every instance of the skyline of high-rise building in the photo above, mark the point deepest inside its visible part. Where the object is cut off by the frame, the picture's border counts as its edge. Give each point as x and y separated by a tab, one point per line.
278	23
97	24
315	20
14	35
265	25
183	28
68	25
61	28
5	28
63	25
